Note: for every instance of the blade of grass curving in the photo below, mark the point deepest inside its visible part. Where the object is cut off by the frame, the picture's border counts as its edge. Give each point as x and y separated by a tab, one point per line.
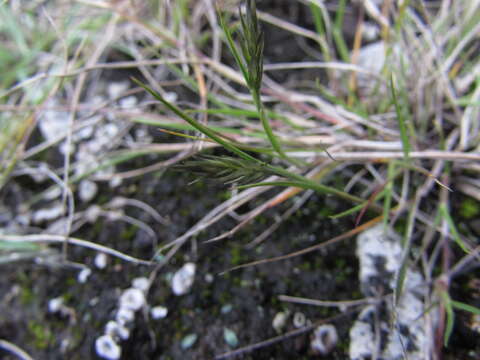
257	149
305	183
202	128
185	127
456	236
465	307
358	207
269	132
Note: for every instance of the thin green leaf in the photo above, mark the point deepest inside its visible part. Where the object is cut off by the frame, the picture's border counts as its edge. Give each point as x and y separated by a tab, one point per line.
465	307
456	236
202	128
307	184
338	32
447	302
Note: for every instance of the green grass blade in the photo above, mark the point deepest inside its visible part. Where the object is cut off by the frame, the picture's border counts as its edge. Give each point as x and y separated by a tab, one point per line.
456	236
338	32
358	207
202	128
269	132
465	307
307	184
447	302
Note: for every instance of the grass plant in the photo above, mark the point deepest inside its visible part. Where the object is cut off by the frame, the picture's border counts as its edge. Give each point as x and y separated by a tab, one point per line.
404	137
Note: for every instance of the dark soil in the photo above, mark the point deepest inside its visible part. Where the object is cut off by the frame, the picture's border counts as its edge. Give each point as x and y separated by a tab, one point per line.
244	301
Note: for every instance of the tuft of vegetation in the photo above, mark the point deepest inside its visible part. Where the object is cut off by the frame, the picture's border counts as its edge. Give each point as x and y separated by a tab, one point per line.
381	112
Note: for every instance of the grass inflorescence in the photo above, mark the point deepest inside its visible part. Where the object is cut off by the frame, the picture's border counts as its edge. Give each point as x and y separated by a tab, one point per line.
383	96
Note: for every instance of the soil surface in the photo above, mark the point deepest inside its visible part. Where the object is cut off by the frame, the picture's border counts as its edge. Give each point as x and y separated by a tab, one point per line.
244	301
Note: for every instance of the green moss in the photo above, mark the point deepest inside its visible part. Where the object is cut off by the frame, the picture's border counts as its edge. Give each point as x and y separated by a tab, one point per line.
236	256
185	212
469	208
223	195
236	281
26	296
71	281
305	266
128	233
42	336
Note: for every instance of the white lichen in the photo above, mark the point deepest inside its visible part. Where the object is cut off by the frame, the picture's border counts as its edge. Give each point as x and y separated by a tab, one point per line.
132	299
324	339
92	213
124	316
380	256
299	320
183	279
159	312
188	341
55	305
117	330
100	260
83	275
107	348
116	89
53	123
362	336
279	321
48	214
230	337
141	283
87	190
